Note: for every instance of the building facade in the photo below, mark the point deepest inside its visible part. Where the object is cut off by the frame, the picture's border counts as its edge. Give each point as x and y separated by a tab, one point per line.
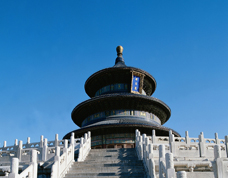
120	103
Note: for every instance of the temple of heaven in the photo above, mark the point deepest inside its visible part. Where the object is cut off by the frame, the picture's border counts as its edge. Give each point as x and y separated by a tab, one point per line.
120	103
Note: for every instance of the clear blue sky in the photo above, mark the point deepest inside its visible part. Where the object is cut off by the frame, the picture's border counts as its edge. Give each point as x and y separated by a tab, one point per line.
49	48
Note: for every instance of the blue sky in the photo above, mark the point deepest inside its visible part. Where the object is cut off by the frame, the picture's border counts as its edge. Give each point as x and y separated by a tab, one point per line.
49	48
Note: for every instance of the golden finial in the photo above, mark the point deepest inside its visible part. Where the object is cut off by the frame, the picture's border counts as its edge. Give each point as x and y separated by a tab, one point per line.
119	50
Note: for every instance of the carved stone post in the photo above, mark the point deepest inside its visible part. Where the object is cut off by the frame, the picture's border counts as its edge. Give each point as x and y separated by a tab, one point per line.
56	140
28	140
153	136
172	144
41	141
14	168
202	145
44	150
226	144
140	148
187	140
219	163
170	171
72	143
152	168
19	150
33	160
4	144
85	137
16	142
72	139
216	138
217	151
161	161
65	151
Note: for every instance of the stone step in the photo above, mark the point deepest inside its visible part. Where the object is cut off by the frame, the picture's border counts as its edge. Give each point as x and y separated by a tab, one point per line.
97	169
112	153
101	159
108	175
109	163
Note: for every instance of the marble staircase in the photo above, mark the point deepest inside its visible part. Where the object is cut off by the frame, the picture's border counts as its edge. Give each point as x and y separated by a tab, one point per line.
110	163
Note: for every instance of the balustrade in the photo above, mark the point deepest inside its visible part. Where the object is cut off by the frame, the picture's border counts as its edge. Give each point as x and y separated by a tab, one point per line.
182	152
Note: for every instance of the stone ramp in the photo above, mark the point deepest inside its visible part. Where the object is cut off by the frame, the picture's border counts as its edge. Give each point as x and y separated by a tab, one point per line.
110	163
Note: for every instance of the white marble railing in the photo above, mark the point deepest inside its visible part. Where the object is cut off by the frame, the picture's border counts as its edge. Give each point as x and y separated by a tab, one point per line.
30	171
45	150
63	163
85	147
161	151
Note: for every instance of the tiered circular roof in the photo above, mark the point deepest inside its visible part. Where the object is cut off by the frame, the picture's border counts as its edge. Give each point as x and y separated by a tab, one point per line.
120	73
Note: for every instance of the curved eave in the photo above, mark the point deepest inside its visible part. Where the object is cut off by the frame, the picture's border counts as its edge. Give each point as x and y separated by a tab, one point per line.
113	75
120	101
105	128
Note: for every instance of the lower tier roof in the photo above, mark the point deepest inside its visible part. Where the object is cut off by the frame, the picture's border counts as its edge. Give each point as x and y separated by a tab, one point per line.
120	101
121	126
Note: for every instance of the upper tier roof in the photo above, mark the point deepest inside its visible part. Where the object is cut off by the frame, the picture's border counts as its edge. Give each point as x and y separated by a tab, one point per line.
119	73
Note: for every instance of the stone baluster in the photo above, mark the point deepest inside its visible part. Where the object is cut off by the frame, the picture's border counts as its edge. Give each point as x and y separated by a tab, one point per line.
57	153
202	145
181	174
33	160
72	143
85	137
81	141
143	137
89	134
28	140
65	145
16	142
149	155
145	149
216	138
171	142
161	160
72	139
153	136
170	135
65	148
187	139
170	171
4	144
150	151
89	137
221	173
140	148
217	151
41	141
19	150
44	150
136	137
57	158
152	168
56	140
226	144
14	168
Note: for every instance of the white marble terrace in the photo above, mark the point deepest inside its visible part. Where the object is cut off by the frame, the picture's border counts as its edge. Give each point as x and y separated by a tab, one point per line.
26	157
163	157
183	157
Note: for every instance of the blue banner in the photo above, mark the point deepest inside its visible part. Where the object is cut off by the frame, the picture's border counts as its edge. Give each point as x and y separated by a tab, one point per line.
135	83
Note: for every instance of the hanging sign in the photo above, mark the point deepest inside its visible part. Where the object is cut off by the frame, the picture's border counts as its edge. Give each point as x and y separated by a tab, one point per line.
137	82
